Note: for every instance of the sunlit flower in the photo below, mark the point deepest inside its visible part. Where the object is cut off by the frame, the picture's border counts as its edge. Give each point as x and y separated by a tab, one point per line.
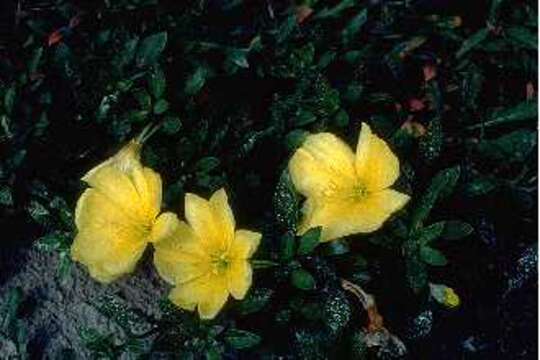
205	258
346	193
118	215
444	295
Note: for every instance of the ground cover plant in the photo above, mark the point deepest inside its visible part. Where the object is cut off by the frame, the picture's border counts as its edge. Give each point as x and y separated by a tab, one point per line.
238	116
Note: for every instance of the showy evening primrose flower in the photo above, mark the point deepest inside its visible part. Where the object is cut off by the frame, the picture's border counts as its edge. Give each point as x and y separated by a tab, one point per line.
205	258
346	193
118	215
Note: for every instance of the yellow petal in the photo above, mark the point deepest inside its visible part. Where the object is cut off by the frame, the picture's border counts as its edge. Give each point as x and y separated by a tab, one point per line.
126	182
179	256
153	195
239	278
342	216
324	164
109	242
376	165
245	243
201	216
209	293
223	213
164	226
119	188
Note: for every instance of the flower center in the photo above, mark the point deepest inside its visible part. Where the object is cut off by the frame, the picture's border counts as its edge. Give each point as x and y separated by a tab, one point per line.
220	262
359	191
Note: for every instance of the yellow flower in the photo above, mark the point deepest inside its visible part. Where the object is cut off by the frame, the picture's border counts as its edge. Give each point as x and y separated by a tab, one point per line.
445	295
205	258
117	216
346	193
451	299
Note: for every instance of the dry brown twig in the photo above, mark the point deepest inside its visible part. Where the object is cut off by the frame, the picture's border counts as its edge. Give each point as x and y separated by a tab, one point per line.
376	335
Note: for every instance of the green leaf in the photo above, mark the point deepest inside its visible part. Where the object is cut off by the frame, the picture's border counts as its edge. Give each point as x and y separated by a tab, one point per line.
285	203
353	27
116	309
431	143
241	339
336	312
34	61
523	37
100	344
213	354
335	11
336	247
9	99
207	164
417	276
64	265
143	98
238	57
309	241
287	246
127	54
304	117
38	212
526	110
9	309
151	48
157	83
161	106
431	232
341	119
302	280
515	146
441	185
326	59
255	301
263	264
432	256
196	81
472	42
295	139
455	229
353	93
6	196
51	242
481	185
171	125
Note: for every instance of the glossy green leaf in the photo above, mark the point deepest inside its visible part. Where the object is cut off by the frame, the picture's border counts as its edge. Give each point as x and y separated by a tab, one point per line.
302	280
150	49
241	339
454	230
441	185
432	256
473	41
309	241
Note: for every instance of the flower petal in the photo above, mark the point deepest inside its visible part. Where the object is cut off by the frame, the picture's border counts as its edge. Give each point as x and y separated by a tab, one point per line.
223	214
153	195
376	165
209	293
342	216
164	226
245	243
125	181
322	165
179	256
109	242
239	278
200	216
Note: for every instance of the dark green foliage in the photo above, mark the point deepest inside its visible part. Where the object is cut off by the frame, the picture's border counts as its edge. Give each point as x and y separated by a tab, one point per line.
13	333
235	87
